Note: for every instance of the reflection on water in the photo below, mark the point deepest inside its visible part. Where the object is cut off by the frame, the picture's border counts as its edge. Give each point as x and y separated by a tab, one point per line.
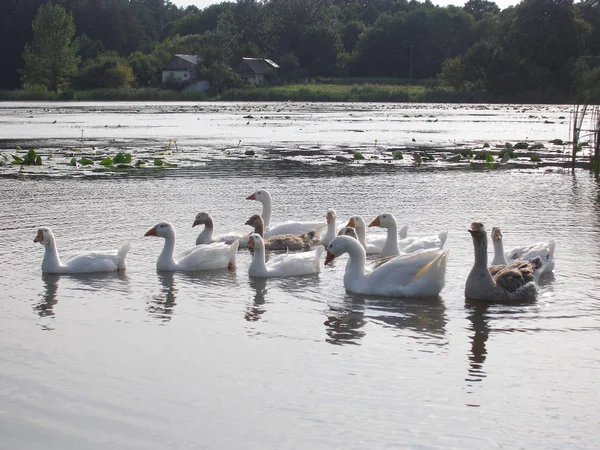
256	309
107	281
45	307
425	318
344	324
479	318
162	306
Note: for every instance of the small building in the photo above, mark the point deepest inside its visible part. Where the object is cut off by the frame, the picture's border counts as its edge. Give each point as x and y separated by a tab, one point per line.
183	68
257	70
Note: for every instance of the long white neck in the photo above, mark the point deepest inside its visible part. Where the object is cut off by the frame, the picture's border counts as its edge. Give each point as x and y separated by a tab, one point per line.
499	258
258	264
206	236
330	233
362	236
166	261
267	210
51	261
390	248
355	268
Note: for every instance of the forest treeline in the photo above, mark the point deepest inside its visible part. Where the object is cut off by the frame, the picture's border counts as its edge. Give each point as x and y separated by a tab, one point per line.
540	49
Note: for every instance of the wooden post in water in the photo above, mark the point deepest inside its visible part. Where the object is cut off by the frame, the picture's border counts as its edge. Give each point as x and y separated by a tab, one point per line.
575	137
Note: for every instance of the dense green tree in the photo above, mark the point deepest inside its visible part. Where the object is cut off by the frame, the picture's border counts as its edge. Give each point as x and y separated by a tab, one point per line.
51	57
480	8
107	70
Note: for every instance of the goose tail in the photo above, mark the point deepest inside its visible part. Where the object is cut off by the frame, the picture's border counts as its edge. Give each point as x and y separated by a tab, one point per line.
317	261
443	236
403	232
232	253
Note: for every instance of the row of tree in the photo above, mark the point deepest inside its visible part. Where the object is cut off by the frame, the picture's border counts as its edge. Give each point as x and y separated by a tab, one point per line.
548	46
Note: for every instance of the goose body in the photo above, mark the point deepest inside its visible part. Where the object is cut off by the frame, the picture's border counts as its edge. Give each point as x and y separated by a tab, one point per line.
393	246
421	274
545	250
82	262
207	234
291	227
201	257
287	265
516	281
292	242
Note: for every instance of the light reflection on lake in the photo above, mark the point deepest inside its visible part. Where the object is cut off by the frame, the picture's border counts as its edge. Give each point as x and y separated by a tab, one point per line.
147	359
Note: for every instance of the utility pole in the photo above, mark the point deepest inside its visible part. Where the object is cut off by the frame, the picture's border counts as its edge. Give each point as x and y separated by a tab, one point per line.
410	65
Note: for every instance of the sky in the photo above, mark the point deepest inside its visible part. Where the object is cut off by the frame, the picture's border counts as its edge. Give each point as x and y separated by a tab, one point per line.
201	4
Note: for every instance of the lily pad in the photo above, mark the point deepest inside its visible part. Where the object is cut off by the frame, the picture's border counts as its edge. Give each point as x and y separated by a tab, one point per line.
106	161
122	158
358	155
85	161
398	155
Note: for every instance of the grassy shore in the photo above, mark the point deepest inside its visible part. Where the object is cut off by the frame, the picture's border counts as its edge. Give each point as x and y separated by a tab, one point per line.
318	90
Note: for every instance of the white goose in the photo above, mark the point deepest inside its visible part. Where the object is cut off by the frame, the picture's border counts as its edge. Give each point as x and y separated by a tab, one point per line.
373	243
515	281
291	227
421	274
207	237
288	265
82	262
201	257
545	250
393	246
331	230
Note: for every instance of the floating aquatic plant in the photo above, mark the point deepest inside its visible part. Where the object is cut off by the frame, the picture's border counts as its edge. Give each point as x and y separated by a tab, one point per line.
521	146
358	155
466	153
85	161
535	158
557	142
398	155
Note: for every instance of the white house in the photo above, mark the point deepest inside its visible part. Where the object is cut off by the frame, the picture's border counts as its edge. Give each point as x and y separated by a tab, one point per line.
257	70
183	68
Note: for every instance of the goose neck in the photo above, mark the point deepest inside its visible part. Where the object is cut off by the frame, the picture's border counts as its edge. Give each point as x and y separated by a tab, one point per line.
258	264
166	259
51	259
267	210
499	257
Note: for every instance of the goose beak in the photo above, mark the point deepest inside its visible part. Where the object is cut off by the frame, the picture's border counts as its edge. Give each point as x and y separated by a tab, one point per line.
497	235
196	222
329	217
330	257
375	223
473	228
251	197
247	222
151	232
39	237
350	223
250	243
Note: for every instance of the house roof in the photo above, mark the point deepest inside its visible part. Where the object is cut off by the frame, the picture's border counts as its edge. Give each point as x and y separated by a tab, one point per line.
260	65
193	59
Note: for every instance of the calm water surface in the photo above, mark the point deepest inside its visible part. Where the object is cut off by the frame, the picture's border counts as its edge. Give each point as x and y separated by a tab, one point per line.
218	360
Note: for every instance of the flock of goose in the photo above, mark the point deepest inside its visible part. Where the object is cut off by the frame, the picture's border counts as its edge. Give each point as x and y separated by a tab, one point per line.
405	267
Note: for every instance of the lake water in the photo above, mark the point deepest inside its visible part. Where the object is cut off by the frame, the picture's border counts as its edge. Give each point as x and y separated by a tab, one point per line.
219	360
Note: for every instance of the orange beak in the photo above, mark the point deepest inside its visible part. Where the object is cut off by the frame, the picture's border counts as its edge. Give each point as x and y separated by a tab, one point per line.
250	242
251	197
196	222
39	237
375	223
151	232
350	223
330	257
329	217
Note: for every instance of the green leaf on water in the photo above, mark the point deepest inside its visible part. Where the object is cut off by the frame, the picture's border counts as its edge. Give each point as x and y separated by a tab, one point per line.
122	158
358	155
73	161
17	159
38	161
158	162
140	162
124	166
106	161
489	158
398	155
86	161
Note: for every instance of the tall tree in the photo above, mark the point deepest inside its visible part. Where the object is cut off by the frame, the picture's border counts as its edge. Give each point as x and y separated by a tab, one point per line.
51	56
